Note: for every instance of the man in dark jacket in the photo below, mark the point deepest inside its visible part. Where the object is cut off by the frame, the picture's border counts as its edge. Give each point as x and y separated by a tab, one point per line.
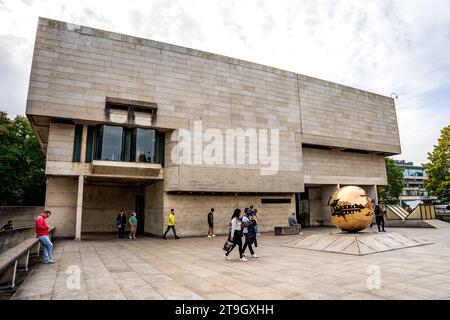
121	224
211	223
249	233
379	218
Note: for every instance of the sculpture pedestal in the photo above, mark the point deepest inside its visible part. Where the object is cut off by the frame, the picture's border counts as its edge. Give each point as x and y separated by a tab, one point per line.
361	243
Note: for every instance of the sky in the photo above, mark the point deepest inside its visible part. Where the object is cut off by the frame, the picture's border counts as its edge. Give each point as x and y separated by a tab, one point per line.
382	46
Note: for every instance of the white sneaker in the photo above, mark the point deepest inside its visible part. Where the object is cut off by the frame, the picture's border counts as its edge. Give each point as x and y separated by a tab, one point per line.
254	255
258	234
209	236
243	259
213	235
226	257
51	261
129	237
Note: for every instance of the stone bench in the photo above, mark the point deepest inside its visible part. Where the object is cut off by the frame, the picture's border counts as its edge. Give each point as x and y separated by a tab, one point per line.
287	230
16	260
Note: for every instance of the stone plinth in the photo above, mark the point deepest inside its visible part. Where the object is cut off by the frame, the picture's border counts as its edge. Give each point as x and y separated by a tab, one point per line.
361	243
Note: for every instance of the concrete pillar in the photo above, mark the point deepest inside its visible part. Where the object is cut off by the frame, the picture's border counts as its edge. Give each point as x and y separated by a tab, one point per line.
371	192
81	185
327	191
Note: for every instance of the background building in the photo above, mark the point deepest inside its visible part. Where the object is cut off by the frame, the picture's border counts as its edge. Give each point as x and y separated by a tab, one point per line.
413	193
99	100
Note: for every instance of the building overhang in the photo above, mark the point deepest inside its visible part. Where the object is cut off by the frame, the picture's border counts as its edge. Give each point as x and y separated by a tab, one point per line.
131	169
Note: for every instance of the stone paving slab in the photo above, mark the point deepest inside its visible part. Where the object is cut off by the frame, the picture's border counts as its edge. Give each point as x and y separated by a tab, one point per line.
194	268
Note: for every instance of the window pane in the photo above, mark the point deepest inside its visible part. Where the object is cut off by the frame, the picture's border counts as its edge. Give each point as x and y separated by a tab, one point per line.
145	145
77	143
112	143
89	144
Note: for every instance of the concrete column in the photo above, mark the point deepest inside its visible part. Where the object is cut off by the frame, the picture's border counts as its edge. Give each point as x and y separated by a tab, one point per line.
327	191
371	192
81	185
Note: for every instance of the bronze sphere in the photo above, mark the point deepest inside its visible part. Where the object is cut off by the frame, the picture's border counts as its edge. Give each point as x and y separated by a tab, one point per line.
351	209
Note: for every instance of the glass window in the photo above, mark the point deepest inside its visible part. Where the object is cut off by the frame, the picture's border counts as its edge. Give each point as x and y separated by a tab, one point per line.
77	143
90	144
112	143
413	172
145	145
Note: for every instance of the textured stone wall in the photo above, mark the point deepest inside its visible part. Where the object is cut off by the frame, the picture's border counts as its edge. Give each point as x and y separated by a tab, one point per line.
337	167
154	208
191	211
337	115
61	200
20	216
60	142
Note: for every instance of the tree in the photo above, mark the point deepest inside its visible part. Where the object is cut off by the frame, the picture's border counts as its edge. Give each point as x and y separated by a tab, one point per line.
390	194
22	163
438	169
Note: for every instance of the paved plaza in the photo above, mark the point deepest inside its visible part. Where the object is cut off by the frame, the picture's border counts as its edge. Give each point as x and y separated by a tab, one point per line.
194	268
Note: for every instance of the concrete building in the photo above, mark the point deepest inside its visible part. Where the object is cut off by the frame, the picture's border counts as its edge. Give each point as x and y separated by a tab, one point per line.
414	192
97	100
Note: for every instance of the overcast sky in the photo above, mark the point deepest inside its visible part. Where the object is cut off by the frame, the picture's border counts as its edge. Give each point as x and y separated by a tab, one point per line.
381	46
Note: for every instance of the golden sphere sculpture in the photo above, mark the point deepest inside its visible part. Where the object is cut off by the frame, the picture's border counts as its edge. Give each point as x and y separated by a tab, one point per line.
351	209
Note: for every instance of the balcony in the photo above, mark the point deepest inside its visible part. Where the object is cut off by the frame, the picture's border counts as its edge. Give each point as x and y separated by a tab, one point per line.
116	169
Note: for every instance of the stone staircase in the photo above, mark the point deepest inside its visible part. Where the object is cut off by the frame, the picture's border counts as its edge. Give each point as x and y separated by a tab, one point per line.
399	211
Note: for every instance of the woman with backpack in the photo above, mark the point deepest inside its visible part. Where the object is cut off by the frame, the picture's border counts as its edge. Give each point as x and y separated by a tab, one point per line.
235	235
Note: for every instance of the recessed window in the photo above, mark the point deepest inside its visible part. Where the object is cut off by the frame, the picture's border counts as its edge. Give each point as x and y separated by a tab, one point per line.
145	145
276	200
116	143
111	143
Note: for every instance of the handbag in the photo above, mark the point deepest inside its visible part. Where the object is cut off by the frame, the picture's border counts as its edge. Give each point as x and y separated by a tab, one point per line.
227	246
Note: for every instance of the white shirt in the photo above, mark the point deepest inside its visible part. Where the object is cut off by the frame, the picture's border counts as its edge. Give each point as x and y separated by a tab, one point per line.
235	225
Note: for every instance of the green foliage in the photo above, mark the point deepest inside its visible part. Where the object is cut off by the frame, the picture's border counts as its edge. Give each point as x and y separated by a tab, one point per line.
438	168
22	163
390	194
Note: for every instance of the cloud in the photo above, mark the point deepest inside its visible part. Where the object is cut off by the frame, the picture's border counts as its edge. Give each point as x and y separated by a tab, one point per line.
382	46
14	77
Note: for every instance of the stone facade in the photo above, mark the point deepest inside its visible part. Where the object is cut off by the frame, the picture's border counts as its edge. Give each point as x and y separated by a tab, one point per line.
329	134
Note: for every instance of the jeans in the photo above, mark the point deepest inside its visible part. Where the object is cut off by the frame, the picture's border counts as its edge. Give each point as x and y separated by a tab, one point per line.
47	246
173	229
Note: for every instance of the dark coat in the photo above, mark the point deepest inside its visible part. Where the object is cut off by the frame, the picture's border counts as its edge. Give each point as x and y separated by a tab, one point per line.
250	236
210	218
122	221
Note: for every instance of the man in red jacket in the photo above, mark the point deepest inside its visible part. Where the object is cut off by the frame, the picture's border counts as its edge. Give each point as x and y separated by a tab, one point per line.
42	234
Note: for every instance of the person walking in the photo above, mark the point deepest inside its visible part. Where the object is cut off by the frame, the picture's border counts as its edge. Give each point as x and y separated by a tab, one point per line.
249	233
235	235
171	225
133	223
379	218
121	223
256	220
211	223
42	234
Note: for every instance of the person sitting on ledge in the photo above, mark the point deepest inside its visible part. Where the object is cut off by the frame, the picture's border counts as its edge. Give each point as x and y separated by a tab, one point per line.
7	226
292	220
